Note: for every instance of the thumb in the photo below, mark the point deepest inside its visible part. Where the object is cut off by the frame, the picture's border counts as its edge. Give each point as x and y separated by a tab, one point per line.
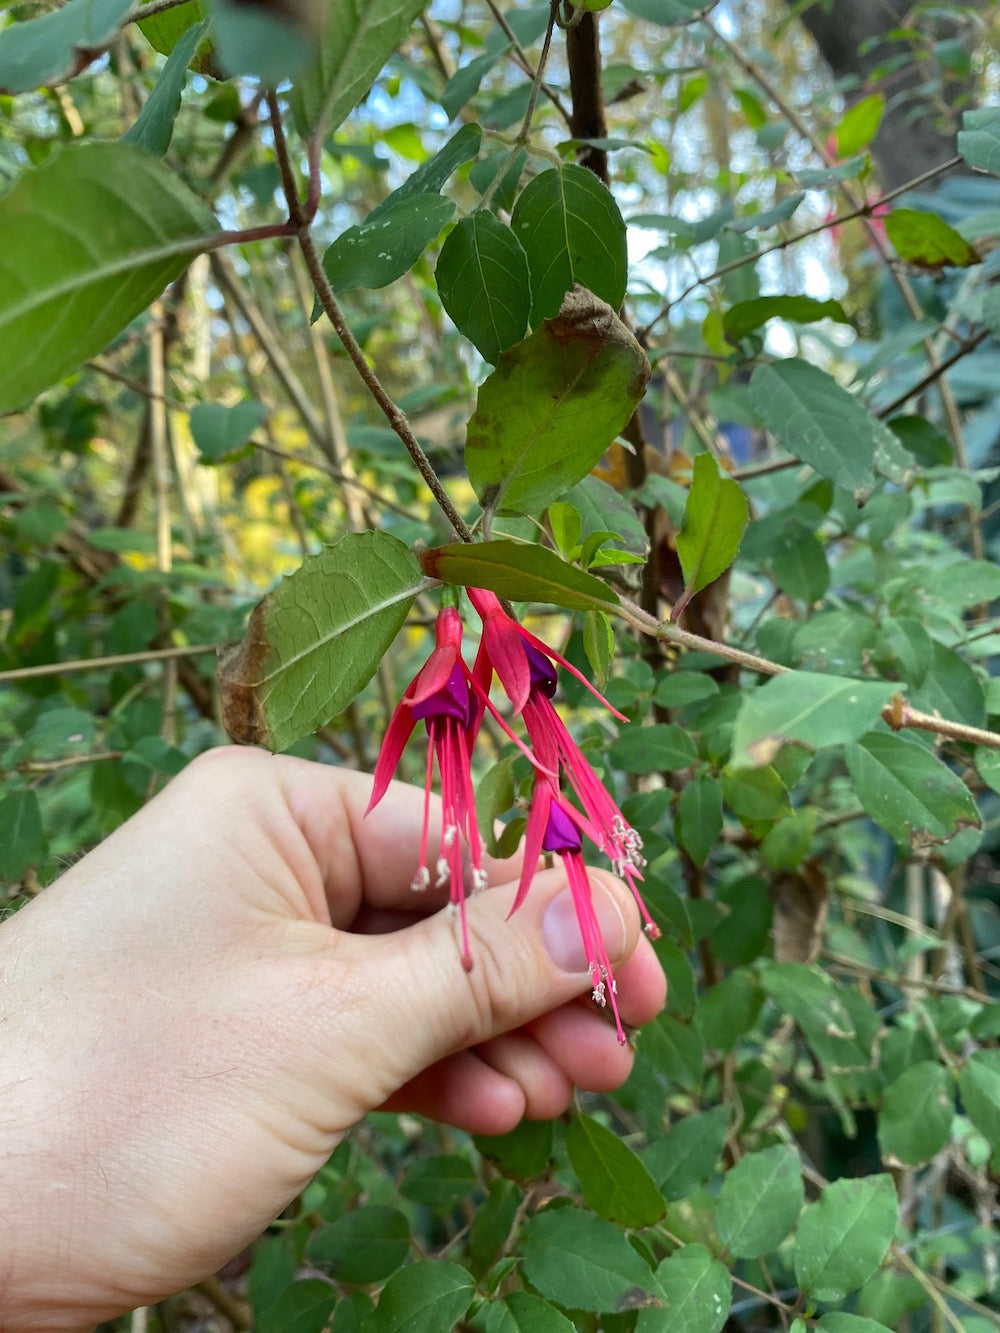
422	1004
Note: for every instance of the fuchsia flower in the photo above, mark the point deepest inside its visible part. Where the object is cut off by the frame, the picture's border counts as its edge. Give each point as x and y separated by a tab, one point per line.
440	696
449	699
562	835
525	667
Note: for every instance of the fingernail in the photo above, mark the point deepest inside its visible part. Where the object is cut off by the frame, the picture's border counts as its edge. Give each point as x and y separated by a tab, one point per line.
561	930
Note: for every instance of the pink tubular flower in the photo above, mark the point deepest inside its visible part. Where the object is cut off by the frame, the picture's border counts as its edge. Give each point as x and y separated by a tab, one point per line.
527	672
562	835
439	696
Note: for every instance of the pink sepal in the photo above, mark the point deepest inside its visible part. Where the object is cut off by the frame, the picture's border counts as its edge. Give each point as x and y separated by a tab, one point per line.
538	818
397	734
568	666
433	675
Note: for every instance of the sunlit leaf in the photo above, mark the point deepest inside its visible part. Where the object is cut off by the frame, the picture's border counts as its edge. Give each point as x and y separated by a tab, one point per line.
520	571
482	279
42	50
63	298
316	640
714	518
357	38
924	238
554	404
572	232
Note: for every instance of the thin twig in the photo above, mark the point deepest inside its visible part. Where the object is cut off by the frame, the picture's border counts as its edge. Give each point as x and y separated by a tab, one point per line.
100	663
393	414
867	209
521	58
536	82
897	714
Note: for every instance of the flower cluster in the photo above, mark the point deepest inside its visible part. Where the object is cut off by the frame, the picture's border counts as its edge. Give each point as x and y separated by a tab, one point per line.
449	698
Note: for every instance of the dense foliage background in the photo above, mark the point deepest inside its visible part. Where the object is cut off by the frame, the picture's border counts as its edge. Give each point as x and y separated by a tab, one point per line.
247	332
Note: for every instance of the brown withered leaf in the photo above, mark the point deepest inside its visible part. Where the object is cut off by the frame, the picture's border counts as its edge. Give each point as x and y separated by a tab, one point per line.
800	907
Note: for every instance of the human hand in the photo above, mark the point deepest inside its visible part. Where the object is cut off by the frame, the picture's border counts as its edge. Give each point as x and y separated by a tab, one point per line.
186	1039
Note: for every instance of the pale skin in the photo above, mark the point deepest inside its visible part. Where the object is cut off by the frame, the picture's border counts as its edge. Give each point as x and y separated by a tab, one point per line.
194	1014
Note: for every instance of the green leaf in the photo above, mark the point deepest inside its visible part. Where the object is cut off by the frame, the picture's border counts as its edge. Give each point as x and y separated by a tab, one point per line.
699	817
806	707
745	316
220	431
907	789
675	1048
573	234
697	1290
681	688
727	1010
44	49
554	404
754	794
660	748
272	1271
811	416
154	126
599	643
915	1120
615	1183
925	442
424	1297
988	766
979	139
464	83
525	1152
582	1262
364	1245
844	1235
61	299
521	572
356	40
950	686
532	1315
431	175
267	44
715	516
316	640
979	1087
821	178
760	1201
835	1321
926	239
304	1307
686	1155
23	843
665	12
859	125
492	1223
602	508
482	279
164	30
378	252
439	1182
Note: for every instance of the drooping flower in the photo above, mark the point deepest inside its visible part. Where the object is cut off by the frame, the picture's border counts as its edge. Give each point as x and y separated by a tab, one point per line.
527	671
561	834
446	697
440	697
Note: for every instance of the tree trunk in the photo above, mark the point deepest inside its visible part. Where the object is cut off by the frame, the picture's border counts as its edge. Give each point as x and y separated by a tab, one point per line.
917	131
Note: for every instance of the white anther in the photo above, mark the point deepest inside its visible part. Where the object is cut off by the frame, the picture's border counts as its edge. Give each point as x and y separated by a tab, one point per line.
480	880
421	880
443	871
